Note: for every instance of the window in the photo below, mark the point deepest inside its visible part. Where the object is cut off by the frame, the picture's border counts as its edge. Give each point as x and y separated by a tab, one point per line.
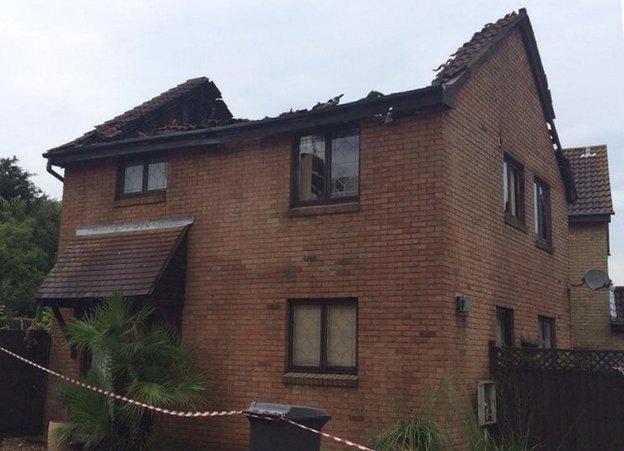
547	331
327	167
541	210
513	189
504	327
323	335
142	177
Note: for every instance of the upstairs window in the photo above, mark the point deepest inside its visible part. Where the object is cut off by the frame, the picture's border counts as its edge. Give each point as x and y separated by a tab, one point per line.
504	327
547	331
327	167
541	210
513	190
323	336
140	177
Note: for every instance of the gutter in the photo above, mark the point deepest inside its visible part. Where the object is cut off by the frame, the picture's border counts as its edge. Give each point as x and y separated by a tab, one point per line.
53	172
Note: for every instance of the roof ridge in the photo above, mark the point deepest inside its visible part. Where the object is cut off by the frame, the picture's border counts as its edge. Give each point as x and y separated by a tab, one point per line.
122	122
473	49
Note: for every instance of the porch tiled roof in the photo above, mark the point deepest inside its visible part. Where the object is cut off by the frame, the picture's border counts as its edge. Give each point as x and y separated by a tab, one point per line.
590	166
93	266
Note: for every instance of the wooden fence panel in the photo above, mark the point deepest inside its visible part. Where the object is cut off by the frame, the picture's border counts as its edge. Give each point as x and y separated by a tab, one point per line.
561	399
22	387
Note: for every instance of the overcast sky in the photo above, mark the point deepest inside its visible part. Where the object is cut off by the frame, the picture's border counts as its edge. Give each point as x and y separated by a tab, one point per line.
70	65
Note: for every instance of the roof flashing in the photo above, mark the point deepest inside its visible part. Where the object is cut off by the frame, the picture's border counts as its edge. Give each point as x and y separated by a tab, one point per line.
134	226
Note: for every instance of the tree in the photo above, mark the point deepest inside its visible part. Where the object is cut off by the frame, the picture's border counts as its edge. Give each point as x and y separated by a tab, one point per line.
15	183
29	223
137	357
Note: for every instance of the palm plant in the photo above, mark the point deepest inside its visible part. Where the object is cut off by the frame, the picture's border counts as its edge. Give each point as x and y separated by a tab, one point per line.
134	356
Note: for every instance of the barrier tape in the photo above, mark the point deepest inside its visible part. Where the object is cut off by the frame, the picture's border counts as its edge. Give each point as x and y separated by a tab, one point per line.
214	413
110	394
325	434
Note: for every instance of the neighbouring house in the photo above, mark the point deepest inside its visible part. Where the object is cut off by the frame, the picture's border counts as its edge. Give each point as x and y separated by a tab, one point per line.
348	257
595	320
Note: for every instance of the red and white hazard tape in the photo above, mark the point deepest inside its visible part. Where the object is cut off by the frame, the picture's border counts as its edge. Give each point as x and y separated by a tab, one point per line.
215	413
111	394
333	437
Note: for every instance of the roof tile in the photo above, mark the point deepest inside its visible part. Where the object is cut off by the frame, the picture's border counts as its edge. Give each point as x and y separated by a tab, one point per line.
93	266
590	166
480	42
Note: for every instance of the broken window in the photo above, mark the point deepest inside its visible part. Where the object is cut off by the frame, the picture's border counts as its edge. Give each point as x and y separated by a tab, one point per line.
142	177
323	335
327	166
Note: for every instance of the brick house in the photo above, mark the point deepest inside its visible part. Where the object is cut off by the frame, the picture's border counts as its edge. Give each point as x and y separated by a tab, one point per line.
318	257
595	322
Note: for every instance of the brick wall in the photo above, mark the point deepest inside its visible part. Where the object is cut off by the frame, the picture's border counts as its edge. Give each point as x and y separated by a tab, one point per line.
429	224
494	263
590	309
246	256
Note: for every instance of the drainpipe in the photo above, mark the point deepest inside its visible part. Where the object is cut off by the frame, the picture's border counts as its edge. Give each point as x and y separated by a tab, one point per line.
54	173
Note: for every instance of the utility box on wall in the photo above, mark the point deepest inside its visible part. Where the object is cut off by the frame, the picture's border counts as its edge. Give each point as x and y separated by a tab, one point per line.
486	402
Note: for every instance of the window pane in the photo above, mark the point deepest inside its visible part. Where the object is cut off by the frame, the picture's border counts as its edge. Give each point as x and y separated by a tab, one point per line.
306	339
513	183
311	167
504	320
341	335
546	333
536	212
157	176
505	187
345	160
133	179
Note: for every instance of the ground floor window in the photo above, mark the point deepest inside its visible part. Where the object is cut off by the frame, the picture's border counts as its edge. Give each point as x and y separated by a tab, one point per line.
504	327
547	331
322	335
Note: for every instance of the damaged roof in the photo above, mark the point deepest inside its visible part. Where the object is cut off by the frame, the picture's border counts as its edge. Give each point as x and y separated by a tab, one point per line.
206	109
478	45
179	118
590	166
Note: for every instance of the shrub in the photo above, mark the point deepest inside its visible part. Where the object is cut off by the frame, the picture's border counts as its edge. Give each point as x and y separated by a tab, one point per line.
136	357
410	433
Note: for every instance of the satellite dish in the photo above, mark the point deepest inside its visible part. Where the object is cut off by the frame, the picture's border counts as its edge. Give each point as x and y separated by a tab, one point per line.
597	279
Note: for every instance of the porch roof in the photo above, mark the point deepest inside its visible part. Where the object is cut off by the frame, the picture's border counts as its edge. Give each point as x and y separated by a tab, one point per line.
125	258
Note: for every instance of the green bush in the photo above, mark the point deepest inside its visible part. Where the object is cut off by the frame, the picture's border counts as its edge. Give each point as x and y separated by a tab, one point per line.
135	357
410	433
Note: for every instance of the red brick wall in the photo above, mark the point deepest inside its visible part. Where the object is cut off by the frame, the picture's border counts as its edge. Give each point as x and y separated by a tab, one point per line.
429	224
246	256
493	263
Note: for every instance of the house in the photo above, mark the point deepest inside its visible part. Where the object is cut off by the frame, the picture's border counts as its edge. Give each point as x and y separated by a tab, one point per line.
595	323
348	257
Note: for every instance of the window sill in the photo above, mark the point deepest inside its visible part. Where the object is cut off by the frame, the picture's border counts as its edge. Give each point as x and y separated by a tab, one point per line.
321	380
544	245
143	199
515	223
617	326
317	210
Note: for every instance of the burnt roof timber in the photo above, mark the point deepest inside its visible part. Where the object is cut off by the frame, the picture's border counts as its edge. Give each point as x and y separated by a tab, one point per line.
402	103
